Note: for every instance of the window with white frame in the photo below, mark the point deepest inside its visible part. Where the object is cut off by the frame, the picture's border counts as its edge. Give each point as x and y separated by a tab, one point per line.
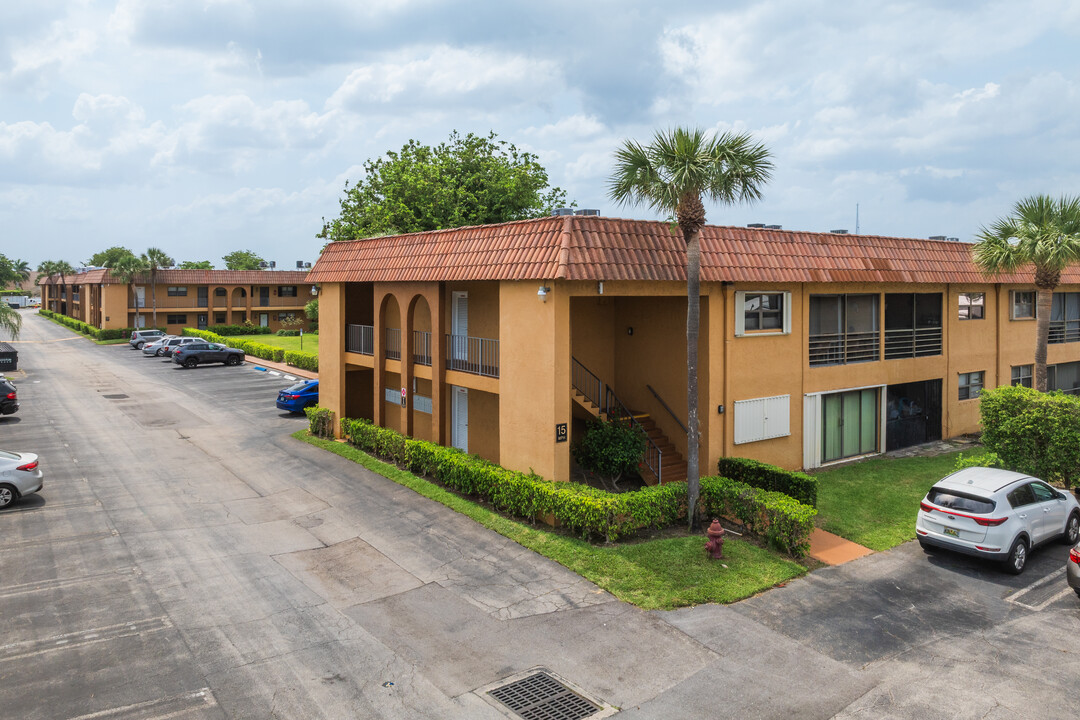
762	418
1023	304
972	306
971	384
762	313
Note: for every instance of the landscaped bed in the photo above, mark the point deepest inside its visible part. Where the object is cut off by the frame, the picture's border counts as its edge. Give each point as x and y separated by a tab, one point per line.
663	573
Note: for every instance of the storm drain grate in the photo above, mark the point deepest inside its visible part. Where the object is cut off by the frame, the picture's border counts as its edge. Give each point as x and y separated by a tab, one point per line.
541	697
115	397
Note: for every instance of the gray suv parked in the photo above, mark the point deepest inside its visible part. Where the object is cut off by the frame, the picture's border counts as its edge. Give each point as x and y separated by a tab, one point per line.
141	337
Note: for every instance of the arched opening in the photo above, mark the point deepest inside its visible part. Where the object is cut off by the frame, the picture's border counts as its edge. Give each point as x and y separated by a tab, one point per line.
422	346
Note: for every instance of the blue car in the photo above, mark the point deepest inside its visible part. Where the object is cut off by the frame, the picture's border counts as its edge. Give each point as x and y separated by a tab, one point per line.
299	396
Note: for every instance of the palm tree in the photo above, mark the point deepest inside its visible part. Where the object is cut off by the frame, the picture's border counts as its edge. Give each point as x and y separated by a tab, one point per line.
671	175
10	321
22	269
46	269
63	269
127	269
1042	233
155	259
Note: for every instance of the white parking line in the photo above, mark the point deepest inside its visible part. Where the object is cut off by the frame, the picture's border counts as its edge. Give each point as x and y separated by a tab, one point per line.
32	648
167	707
1014	598
43	585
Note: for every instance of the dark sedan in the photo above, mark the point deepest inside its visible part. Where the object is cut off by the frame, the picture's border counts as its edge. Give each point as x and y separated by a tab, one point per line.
197	353
9	399
299	396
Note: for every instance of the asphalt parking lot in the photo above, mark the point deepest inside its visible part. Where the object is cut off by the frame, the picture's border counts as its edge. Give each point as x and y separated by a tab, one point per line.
188	559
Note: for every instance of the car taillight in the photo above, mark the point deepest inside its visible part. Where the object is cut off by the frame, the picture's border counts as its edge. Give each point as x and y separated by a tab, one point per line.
28	466
989	522
11	396
1074	555
925	507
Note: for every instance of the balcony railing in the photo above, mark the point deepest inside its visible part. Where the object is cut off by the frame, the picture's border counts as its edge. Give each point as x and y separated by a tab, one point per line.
840	348
421	340
478	356
1064	331
393	344
360	339
912	342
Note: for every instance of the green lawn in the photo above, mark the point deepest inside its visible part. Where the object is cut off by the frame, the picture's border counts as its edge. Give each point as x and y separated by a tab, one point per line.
652	574
874	502
311	341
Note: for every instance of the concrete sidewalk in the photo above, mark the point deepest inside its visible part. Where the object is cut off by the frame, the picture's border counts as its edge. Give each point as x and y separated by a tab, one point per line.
282	368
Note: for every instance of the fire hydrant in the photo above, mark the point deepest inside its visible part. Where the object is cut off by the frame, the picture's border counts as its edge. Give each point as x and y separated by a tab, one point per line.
715	546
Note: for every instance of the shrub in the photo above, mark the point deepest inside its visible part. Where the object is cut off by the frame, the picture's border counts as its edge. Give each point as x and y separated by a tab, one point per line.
782	520
798	485
609	448
229	330
302	360
89	330
288	333
1033	432
320	421
988	459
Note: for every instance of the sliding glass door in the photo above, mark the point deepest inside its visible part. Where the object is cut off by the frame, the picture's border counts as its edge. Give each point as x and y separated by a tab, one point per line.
849	424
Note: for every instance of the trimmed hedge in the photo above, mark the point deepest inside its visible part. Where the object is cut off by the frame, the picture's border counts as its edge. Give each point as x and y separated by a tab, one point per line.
230	330
783	521
798	485
320	421
1032	432
288	333
89	330
302	360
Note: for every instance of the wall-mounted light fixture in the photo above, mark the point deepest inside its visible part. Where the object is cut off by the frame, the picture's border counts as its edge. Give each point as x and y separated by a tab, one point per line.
542	293
629	331
314	289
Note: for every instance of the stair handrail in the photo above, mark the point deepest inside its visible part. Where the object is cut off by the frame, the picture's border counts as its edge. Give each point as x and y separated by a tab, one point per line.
670	412
584	380
654	456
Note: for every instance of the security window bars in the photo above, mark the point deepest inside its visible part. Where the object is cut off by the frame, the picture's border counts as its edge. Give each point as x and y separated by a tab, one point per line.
971	384
1023	304
972	306
1021	375
764	311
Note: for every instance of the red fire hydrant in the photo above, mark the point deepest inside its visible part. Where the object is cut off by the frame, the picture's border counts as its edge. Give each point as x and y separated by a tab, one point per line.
715	546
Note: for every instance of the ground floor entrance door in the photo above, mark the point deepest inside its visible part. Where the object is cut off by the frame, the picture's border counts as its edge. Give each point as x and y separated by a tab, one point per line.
202	321
913	414
849	424
264	319
459	411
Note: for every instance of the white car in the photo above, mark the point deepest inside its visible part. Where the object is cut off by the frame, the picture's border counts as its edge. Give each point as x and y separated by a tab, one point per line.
19	475
996	514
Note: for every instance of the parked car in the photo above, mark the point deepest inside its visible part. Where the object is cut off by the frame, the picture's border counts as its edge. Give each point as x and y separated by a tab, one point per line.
299	396
172	343
996	514
19	476
156	348
139	338
1072	569
9	398
197	353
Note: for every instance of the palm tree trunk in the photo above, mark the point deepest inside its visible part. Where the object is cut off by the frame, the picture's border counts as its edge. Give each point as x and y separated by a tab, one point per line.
693	322
1044	298
153	293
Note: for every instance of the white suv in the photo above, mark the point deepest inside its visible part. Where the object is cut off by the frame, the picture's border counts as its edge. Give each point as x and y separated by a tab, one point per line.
996	514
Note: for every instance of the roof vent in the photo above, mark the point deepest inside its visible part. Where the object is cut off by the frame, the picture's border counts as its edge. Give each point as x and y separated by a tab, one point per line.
953	239
839	232
755	225
587	212
938	237
563	211
774	227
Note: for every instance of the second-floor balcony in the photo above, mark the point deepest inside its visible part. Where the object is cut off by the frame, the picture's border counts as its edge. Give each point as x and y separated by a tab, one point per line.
360	339
479	356
912	342
840	348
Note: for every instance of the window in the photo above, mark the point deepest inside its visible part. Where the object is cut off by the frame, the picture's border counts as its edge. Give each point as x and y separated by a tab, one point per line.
1043	493
762	418
287	291
843	329
282	317
1023	304
960	501
1021	496
175	291
1021	375
1064	377
912	325
220	292
972	306
971	385
219	318
1065	318
176	319
762	312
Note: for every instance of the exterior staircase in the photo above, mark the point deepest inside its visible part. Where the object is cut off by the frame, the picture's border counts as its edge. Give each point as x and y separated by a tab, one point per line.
672	464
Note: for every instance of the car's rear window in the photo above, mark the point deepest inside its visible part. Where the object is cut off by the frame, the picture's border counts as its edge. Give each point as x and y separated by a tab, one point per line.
958	501
9	456
298	387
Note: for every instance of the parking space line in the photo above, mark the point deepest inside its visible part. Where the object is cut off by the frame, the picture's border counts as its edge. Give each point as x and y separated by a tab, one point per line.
50	506
1015	597
171	706
52	541
81	638
43	585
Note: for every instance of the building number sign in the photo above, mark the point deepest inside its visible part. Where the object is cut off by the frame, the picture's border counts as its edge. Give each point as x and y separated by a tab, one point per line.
561	434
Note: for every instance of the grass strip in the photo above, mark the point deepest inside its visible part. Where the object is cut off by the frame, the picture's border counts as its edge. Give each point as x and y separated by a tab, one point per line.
652	574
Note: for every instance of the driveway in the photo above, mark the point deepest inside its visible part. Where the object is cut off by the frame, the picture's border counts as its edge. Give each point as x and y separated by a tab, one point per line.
188	559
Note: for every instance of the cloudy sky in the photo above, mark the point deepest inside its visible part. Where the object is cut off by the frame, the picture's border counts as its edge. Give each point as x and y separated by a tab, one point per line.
206	126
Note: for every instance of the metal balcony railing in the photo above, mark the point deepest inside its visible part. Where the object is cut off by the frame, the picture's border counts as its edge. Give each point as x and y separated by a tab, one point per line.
1064	331
616	411
478	356
393	344
912	342
585	382
360	339
841	348
421	347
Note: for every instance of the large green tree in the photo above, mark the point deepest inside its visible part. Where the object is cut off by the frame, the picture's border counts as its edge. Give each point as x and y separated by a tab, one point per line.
155	259
8	273
671	175
1042	234
196	265
110	257
242	260
468	180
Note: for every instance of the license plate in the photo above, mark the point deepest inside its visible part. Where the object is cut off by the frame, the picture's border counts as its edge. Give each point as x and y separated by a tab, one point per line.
952	533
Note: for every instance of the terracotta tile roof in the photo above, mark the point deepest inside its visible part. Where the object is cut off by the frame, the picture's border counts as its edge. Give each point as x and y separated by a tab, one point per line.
191	277
594	248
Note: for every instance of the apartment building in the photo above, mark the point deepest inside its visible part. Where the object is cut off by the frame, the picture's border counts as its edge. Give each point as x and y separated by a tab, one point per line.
814	348
183	298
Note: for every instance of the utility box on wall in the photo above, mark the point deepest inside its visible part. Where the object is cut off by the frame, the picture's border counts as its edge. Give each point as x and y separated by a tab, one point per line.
9	357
